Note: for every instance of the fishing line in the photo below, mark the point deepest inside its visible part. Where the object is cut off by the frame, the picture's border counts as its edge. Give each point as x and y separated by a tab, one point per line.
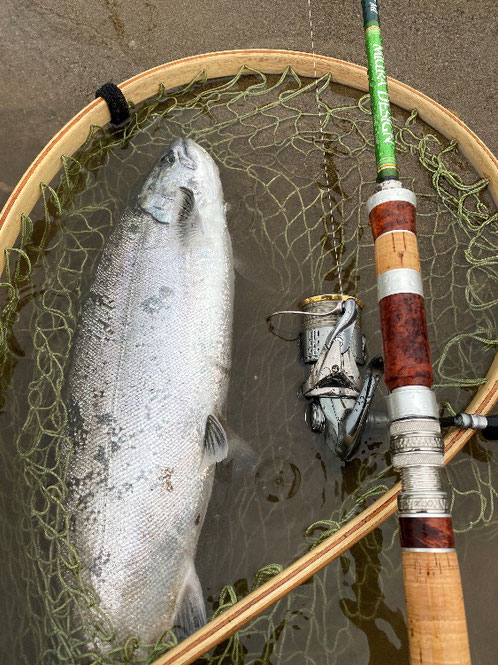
327	180
297	312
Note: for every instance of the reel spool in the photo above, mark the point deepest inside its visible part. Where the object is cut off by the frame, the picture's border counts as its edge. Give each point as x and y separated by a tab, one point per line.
334	348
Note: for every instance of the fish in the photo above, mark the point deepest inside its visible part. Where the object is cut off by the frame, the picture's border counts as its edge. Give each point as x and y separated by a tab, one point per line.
146	389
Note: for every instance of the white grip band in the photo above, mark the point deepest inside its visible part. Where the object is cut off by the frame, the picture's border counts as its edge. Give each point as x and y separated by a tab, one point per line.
399	280
412	402
391	194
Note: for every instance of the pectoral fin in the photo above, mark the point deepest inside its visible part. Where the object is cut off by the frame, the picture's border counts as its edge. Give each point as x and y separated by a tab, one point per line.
186	204
190	613
215	443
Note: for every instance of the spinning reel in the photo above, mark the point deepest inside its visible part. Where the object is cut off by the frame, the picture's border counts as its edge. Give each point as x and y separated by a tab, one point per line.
341	383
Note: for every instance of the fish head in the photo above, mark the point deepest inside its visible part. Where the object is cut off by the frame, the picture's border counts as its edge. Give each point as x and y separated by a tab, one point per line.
184	178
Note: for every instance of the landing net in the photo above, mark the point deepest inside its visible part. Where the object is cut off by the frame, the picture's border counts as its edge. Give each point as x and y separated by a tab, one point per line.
270	142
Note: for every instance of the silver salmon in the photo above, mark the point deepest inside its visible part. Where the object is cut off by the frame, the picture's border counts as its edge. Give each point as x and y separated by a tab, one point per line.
147	382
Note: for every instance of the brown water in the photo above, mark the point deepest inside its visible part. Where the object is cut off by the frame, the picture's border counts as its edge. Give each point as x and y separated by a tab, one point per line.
285	241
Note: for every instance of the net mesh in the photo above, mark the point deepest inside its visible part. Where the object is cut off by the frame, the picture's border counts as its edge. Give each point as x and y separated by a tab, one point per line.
271	141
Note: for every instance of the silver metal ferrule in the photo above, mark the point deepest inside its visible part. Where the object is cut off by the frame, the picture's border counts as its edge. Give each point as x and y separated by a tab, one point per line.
416	438
417	458
428	550
433	514
390	194
417	449
426	426
418	442
412	402
423	486
422	479
411	503
399	280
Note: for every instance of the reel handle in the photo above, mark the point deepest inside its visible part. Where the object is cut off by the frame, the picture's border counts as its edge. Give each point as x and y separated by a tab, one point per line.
487	425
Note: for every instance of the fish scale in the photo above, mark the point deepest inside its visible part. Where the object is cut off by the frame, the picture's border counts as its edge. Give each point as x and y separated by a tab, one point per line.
149	366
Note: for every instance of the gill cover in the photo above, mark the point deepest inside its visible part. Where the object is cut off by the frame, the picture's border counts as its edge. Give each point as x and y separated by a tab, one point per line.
168	193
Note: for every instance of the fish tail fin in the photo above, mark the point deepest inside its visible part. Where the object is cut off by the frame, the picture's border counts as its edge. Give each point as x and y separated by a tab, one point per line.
190	613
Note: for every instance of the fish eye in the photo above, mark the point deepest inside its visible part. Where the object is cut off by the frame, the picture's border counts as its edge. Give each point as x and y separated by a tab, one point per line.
169	157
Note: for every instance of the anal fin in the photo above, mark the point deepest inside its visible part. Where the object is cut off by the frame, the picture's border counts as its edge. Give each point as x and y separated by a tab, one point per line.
190	613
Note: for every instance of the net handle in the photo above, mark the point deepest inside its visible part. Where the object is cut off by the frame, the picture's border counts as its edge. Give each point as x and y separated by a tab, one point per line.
219	64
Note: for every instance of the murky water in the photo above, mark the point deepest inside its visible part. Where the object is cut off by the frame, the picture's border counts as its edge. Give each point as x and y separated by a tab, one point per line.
287	235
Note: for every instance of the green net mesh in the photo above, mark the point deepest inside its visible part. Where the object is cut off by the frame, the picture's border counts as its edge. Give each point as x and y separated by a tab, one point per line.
271	136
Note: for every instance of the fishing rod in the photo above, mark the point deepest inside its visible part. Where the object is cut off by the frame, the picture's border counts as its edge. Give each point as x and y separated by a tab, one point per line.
437	626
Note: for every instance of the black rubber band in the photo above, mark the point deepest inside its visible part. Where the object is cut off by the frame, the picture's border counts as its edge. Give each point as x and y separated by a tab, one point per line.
116	101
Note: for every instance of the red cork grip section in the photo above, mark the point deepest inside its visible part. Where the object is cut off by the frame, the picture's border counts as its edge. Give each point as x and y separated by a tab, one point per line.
392	216
434	532
407	358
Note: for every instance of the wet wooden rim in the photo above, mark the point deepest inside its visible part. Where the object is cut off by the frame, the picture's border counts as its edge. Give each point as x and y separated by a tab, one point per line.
227	63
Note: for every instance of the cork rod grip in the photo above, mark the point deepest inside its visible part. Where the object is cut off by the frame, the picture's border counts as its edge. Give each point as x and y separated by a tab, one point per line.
437	628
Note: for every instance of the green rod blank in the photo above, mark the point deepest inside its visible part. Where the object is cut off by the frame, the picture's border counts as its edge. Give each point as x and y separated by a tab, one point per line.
385	150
